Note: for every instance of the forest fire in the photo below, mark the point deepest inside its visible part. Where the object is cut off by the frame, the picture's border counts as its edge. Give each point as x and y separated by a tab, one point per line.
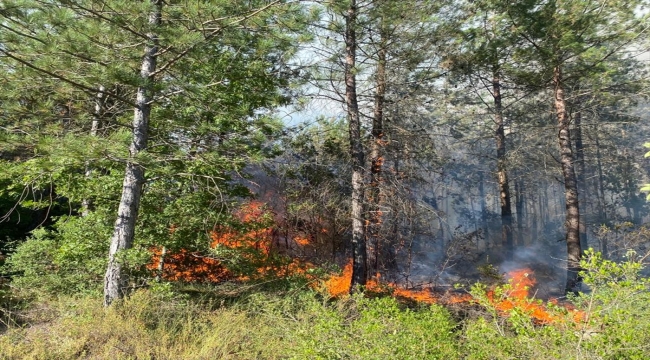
258	246
339	285
516	296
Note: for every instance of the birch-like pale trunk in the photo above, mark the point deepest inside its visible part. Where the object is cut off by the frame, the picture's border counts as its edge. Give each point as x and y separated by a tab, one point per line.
116	280
359	255
87	203
572	222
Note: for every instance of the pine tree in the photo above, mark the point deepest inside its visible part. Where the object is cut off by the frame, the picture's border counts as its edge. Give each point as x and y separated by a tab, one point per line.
204	124
568	41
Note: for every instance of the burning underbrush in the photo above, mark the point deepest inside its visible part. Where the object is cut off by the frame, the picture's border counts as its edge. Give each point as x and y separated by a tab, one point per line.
514	296
265	256
243	255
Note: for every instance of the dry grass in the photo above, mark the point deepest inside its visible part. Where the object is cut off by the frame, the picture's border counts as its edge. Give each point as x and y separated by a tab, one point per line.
144	327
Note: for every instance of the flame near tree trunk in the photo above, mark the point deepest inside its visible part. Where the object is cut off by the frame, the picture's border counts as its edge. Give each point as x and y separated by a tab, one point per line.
194	267
516	296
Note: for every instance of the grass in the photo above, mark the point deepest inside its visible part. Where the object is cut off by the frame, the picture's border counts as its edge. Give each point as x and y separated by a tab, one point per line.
299	325
145	326
266	321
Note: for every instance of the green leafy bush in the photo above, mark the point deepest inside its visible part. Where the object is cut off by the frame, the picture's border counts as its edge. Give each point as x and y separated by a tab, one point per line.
70	258
617	307
614	322
374	328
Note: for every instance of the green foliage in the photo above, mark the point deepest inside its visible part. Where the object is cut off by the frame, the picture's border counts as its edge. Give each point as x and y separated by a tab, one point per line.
161	324
67	259
270	321
618	306
222	74
149	325
375	328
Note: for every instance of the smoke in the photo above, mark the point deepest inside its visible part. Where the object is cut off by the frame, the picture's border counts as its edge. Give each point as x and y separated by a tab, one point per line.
548	262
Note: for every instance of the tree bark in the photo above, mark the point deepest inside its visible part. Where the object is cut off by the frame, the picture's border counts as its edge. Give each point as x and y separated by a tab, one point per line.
502	173
116	280
582	184
359	257
519	208
572	221
535	221
600	189
484	210
374	244
161	264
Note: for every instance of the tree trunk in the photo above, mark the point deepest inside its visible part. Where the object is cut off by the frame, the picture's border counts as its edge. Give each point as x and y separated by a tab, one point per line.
483	203
116	281
161	264
519	207
582	184
359	260
502	174
535	221
572	221
600	185
544	208
86	204
374	243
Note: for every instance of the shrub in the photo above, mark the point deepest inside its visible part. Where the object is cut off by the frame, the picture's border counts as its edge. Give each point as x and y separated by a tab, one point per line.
375	328
68	259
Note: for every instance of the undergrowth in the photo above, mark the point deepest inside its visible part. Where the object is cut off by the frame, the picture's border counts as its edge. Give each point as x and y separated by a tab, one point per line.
293	321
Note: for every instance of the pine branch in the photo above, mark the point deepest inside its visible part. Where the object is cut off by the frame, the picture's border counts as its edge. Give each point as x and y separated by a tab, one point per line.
91	90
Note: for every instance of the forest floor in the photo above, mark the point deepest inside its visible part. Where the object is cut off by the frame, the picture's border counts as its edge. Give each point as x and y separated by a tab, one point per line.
235	321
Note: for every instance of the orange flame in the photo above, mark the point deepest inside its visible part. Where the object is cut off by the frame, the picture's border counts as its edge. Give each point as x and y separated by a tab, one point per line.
521	281
188	266
517	297
339	285
192	266
301	240
251	214
424	295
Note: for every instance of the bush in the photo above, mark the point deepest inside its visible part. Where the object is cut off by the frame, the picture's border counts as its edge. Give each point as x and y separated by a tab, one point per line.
614	321
376	328
70	257
617	307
